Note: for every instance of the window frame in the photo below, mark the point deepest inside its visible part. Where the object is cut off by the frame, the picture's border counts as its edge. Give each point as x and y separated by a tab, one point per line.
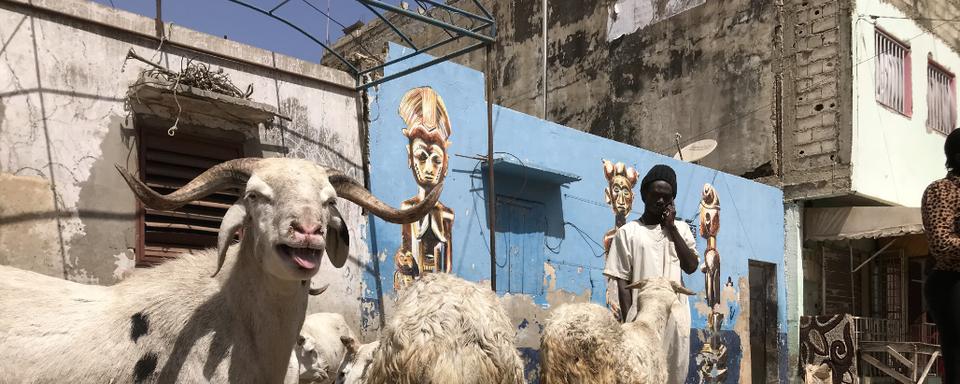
951	88
196	134
906	75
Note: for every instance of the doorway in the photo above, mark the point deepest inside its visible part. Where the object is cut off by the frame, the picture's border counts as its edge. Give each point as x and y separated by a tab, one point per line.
520	233
764	348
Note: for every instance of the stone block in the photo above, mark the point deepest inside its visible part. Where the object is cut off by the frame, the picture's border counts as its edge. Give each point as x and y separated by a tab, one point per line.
824	133
824	24
811	121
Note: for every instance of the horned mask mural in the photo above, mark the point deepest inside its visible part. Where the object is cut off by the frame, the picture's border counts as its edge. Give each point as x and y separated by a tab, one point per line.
619	195
425	245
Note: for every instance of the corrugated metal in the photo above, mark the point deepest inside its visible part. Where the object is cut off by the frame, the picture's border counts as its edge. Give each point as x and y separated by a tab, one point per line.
849	223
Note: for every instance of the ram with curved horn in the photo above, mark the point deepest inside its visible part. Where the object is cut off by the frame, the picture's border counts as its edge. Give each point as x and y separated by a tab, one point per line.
189	320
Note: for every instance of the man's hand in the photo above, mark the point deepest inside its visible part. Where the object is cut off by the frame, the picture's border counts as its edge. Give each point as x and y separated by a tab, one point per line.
688	259
669	216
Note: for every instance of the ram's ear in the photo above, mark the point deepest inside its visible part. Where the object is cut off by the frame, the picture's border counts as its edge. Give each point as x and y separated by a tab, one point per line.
337	239
232	222
351	344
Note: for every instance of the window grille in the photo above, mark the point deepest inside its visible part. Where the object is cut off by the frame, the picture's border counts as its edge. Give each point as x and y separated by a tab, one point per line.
941	100
893	73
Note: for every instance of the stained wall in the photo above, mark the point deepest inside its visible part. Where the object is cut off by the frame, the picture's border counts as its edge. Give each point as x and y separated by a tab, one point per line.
560	253
66	121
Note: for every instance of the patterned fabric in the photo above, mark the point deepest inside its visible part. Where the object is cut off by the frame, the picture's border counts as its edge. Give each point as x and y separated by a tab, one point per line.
829	340
941	211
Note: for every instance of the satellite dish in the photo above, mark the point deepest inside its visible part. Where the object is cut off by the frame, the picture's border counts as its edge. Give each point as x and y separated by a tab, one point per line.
696	150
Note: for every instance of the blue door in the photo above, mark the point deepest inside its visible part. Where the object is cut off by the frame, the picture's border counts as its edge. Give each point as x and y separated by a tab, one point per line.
520	250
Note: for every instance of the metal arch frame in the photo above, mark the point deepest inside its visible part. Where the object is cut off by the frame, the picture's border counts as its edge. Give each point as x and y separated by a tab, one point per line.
456	33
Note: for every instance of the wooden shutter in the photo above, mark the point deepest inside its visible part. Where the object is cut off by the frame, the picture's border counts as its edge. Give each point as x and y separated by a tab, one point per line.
168	163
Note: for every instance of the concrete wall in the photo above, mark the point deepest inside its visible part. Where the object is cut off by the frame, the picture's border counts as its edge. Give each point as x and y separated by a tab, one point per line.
815	99
706	71
935	17
895	156
65	121
576	216
794	266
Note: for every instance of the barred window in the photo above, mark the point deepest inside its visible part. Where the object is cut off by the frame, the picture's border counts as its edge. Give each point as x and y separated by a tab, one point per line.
168	163
893	74
941	99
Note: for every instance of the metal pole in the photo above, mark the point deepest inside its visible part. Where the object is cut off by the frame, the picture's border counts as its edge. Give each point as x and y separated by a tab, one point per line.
491	194
159	20
428	20
545	59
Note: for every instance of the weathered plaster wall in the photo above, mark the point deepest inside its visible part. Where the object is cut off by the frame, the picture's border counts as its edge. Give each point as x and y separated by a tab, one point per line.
575	214
705	72
895	156
793	264
65	122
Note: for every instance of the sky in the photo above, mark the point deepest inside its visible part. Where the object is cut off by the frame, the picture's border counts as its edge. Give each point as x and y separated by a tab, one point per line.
226	18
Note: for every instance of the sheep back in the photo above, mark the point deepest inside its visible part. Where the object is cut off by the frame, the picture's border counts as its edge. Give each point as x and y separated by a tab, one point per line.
450	331
580	345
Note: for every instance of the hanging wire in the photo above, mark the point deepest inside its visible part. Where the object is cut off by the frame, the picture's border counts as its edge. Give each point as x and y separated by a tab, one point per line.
337	22
770	104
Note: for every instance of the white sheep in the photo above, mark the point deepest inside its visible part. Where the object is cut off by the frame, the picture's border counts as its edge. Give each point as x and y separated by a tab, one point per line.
176	322
583	343
357	361
446	330
320	351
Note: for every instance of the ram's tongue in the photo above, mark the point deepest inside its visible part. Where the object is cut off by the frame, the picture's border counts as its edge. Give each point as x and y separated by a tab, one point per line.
306	258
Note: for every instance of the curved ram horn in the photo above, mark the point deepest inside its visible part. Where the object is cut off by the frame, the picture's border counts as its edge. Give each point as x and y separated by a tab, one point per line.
349	189
228	174
318	291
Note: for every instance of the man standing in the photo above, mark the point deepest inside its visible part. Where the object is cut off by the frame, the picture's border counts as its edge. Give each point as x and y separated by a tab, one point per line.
657	245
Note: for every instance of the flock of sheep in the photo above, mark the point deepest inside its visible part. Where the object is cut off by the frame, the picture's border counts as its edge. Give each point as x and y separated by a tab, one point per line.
243	320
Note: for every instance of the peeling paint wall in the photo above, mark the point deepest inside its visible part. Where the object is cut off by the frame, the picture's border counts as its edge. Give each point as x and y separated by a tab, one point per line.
574	214
65	121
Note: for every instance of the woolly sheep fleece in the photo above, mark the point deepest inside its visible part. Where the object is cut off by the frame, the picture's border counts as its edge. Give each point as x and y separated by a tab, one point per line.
446	330
581	344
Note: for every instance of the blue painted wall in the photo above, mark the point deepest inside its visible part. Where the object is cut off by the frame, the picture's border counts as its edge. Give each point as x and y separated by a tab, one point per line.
575	215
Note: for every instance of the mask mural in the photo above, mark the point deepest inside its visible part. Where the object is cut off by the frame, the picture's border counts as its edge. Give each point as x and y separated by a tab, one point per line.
619	194
711	359
425	245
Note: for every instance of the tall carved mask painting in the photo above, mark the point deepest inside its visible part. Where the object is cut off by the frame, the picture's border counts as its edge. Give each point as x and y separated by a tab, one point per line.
428	129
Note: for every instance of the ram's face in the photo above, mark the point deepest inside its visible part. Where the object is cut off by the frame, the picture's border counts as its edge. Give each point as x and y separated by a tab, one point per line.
312	366
293	216
288	209
357	360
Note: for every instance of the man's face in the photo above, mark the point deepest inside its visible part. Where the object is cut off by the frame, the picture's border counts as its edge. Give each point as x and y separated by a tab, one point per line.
658	195
621	195
428	162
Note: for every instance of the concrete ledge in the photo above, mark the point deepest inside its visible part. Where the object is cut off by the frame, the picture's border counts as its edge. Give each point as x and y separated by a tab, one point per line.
193	99
190	39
